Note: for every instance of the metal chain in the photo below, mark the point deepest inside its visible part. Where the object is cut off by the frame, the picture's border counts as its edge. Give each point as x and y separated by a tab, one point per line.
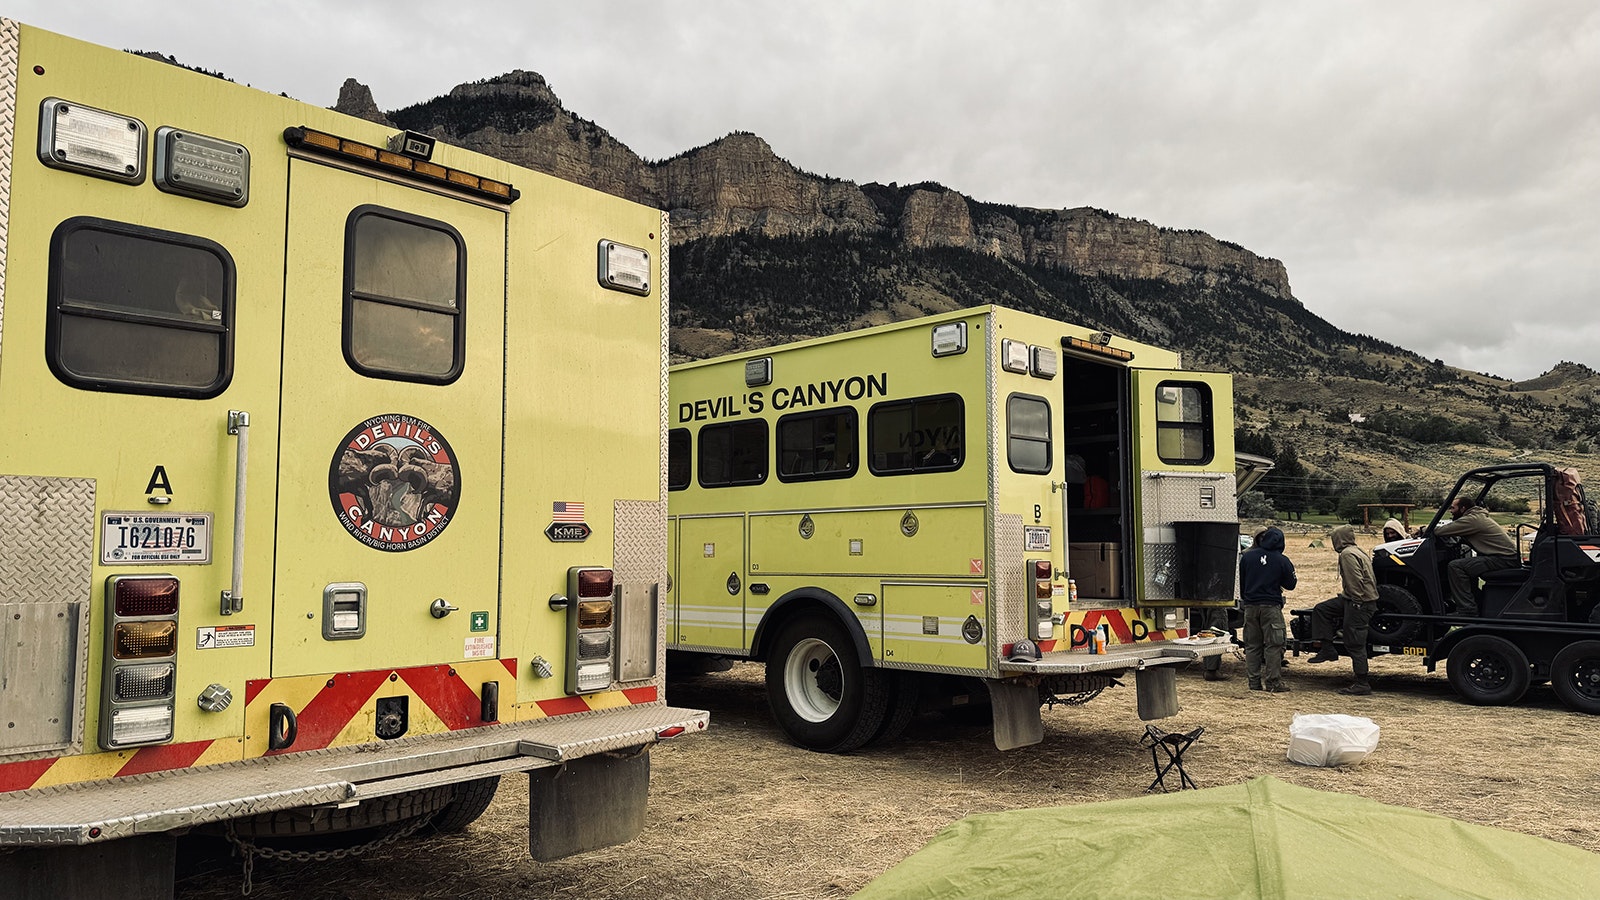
250	850
1077	699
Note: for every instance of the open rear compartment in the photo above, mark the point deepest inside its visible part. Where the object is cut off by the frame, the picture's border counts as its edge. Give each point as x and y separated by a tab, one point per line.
1094	417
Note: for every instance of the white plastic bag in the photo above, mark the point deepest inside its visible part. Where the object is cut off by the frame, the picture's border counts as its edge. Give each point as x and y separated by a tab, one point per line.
1331	739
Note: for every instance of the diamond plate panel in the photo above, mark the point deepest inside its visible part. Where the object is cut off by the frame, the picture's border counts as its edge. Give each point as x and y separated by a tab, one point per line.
1010	606
9	52
46	538
639	558
1169	498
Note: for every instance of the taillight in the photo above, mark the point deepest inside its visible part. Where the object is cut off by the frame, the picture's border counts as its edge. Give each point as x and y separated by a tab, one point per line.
141	660
1041	605
590	635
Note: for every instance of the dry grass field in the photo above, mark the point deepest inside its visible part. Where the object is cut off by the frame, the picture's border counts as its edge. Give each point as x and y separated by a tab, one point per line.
738	813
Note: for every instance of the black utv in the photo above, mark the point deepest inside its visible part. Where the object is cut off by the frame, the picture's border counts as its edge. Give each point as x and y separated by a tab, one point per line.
1536	622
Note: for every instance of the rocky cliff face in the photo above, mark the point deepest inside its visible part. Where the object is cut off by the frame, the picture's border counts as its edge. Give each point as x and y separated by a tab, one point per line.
738	184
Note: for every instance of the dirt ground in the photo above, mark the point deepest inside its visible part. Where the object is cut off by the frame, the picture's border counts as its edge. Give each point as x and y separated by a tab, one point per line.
738	813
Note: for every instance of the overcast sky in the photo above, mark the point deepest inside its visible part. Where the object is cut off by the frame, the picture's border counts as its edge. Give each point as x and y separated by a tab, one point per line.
1429	172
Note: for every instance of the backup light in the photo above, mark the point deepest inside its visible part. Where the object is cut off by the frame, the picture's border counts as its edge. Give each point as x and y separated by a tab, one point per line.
140	725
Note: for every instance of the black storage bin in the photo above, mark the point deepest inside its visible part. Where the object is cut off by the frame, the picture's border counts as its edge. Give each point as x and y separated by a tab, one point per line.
1208	556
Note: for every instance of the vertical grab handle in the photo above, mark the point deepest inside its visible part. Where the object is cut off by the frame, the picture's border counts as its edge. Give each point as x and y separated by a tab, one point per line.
239	425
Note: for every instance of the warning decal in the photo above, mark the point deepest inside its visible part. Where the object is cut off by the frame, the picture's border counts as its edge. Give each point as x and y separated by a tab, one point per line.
213	636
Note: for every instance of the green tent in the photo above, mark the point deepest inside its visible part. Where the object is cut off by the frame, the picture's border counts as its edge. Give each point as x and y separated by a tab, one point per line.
1261	839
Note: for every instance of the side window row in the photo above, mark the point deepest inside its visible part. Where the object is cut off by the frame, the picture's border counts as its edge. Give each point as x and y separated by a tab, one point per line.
924	434
144	311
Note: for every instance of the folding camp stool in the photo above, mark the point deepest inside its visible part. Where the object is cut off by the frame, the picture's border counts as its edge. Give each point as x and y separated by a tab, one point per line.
1170	744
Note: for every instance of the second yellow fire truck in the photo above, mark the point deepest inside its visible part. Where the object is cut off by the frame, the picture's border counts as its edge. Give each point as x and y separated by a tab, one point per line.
899	518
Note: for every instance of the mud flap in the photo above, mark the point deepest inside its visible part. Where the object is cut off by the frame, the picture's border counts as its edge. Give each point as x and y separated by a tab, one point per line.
1016	713
587	803
135	868
1157	688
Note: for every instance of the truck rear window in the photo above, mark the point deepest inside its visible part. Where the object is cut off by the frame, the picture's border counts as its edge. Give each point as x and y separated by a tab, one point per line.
405	296
140	311
1183	422
1028	434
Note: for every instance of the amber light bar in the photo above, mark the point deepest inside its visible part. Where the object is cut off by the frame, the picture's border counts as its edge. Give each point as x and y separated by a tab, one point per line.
383	160
1084	346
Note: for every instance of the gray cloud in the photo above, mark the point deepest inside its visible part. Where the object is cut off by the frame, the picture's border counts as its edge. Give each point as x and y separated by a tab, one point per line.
1426	170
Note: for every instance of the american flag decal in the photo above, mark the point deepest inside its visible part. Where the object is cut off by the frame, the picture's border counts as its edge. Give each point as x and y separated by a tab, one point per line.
566	511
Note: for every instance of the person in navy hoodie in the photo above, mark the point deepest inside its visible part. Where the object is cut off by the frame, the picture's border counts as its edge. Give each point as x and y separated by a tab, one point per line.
1264	574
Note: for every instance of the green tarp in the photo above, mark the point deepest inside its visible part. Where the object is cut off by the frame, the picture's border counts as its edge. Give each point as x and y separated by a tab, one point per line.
1261	839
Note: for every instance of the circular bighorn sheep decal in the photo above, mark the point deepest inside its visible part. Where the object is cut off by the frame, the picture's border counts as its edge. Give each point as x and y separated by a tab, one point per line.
394	482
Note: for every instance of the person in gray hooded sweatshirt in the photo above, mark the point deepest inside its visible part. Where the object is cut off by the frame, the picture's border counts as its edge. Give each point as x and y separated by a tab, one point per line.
1264	574
1353	609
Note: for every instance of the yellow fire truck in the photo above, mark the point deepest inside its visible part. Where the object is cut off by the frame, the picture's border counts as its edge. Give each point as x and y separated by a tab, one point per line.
895	519
335	480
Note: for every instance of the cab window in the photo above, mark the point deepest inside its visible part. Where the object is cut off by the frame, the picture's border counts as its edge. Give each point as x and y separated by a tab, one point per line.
140	311
1183	422
733	453
923	434
1028	434
817	445
404	296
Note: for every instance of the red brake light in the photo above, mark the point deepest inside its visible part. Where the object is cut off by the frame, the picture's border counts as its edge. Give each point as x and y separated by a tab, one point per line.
146	597
594	583
1041	569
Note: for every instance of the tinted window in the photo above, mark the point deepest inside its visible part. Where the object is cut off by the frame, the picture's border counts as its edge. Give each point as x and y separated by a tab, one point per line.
1028	434
924	434
678	459
136	310
817	445
1183	422
733	453
405	293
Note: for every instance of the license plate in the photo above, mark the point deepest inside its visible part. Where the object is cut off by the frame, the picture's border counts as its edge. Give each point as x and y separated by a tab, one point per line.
1035	538
132	539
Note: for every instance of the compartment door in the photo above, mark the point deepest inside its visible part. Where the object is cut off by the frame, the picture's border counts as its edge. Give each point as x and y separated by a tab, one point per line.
1183	467
393	361
711	583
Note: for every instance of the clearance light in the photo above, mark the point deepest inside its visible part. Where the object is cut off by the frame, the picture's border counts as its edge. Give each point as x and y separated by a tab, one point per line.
1043	362
1099	348
403	163
672	732
949	339
1014	356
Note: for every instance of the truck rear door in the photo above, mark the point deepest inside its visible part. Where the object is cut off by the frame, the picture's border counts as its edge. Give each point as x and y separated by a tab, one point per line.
388	526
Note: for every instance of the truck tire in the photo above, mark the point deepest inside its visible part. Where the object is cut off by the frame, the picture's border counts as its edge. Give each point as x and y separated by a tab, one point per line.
1392	598
468	801
905	693
821	695
1488	670
366	814
1575	676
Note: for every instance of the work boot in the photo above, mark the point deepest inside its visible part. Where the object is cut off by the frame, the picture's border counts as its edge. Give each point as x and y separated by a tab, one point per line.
1279	688
1255	684
1357	688
1326	654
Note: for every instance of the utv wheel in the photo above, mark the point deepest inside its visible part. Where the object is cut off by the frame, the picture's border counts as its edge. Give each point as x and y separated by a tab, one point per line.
821	695
1488	670
468	801
1575	676
1393	598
